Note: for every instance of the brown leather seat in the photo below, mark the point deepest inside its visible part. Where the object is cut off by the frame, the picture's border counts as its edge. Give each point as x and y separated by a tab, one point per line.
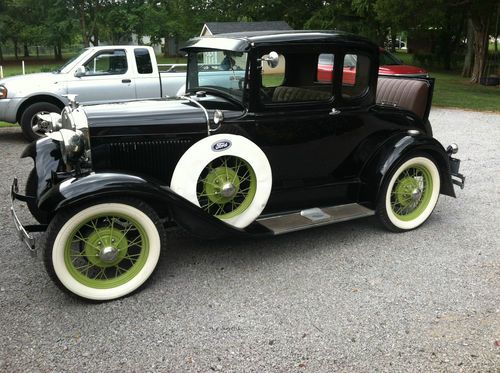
295	94
409	94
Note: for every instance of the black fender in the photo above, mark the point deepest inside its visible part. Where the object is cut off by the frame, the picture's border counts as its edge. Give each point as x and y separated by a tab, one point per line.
387	155
101	186
47	158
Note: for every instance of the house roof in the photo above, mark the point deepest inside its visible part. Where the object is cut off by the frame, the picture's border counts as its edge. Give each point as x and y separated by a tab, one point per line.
243	41
214	28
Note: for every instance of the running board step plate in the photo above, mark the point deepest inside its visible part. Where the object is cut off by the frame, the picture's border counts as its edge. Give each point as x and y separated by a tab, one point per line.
314	217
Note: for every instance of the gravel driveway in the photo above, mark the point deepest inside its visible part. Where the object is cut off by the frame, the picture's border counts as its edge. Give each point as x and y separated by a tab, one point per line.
347	297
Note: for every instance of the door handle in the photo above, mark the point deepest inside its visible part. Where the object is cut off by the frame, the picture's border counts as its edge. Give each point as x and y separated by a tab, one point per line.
126	81
334	111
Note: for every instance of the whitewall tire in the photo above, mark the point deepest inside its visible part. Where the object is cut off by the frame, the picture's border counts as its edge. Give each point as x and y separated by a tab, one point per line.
104	251
409	194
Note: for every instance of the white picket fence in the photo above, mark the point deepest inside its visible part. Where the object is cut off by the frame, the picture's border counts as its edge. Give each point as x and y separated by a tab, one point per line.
22	64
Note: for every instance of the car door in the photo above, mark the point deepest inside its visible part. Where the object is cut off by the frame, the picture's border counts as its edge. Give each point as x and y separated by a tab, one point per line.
304	130
108	77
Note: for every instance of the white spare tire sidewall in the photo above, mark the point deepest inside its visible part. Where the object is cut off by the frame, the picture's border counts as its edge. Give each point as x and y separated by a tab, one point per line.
80	289
195	159
436	187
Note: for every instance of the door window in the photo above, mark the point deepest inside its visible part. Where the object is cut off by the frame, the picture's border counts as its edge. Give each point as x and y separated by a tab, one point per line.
107	63
296	78
143	61
355	75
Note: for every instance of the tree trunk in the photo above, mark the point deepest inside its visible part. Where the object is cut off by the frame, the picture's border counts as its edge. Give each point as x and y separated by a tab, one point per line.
393	42
165	47
15	50
469	55
480	48
26	50
83	25
1	53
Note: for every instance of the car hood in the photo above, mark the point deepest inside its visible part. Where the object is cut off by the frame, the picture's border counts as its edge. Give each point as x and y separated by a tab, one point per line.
21	85
401	70
144	112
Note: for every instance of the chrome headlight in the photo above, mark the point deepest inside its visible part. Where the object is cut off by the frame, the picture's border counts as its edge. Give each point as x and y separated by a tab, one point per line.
73	135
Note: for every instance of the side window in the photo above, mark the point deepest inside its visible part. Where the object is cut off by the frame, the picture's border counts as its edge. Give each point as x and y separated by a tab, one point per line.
355	75
143	61
107	63
297	78
325	68
273	77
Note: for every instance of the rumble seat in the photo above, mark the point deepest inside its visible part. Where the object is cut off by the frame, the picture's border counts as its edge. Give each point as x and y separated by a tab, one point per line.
296	94
409	94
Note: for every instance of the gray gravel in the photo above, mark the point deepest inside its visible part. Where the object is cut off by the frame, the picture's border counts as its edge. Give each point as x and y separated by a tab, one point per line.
347	297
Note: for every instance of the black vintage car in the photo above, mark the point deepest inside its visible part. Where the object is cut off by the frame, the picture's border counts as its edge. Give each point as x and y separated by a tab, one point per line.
260	144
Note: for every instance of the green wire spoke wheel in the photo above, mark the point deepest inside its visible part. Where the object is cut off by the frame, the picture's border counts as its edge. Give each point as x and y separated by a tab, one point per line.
226	187
411	192
106	251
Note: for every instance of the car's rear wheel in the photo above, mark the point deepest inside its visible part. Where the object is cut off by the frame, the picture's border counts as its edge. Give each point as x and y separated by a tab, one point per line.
103	251
409	194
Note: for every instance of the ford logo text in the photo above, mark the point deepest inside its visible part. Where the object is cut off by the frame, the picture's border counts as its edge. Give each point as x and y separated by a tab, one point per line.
221	145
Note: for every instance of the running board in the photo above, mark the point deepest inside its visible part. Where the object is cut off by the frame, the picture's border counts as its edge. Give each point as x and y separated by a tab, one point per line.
314	217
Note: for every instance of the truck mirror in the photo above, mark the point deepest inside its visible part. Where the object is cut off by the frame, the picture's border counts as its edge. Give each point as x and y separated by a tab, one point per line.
80	71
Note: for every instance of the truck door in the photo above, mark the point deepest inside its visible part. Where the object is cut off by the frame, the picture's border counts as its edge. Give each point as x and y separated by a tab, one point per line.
147	82
108	77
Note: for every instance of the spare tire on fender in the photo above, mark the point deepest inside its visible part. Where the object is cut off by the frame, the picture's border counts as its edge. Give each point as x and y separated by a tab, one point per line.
226	175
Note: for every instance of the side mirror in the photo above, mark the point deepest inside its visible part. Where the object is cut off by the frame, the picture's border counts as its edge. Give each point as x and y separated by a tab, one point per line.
80	71
272	59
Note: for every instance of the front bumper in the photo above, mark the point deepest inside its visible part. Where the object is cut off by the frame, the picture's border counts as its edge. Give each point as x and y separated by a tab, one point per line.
8	109
23	231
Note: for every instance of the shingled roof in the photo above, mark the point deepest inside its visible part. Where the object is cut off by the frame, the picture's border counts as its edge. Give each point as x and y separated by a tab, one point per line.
214	28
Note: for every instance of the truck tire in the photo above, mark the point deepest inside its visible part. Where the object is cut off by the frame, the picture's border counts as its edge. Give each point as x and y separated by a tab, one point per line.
227	176
28	119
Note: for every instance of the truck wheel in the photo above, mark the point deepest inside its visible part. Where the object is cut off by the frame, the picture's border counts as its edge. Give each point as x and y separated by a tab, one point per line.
29	123
409	194
103	251
31	190
227	175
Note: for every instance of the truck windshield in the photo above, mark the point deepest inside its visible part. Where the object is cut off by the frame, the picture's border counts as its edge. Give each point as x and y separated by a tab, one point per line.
68	62
217	70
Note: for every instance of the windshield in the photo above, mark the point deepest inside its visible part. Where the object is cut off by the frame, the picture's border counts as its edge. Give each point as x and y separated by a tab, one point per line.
70	60
217	70
388	59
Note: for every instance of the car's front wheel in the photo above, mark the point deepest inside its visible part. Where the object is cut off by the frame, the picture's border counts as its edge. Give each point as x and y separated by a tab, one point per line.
103	251
409	194
30	124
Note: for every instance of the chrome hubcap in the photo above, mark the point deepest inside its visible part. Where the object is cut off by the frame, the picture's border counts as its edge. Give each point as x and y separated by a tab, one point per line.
228	190
108	254
416	194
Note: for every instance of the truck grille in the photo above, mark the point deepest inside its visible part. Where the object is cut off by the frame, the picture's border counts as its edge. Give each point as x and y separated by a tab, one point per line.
156	158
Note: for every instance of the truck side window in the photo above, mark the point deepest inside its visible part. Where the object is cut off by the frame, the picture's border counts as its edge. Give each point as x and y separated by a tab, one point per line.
143	61
107	62
355	75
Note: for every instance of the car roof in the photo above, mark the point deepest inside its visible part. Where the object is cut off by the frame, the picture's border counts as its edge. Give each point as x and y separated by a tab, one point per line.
243	41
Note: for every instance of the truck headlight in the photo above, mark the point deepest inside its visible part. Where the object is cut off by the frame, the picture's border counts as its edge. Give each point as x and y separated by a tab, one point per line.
3	92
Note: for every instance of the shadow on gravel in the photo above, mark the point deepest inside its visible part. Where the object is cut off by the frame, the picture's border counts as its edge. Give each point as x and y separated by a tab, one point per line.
12	135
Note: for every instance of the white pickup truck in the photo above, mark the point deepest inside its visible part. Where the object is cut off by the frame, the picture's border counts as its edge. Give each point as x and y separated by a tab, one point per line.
97	75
